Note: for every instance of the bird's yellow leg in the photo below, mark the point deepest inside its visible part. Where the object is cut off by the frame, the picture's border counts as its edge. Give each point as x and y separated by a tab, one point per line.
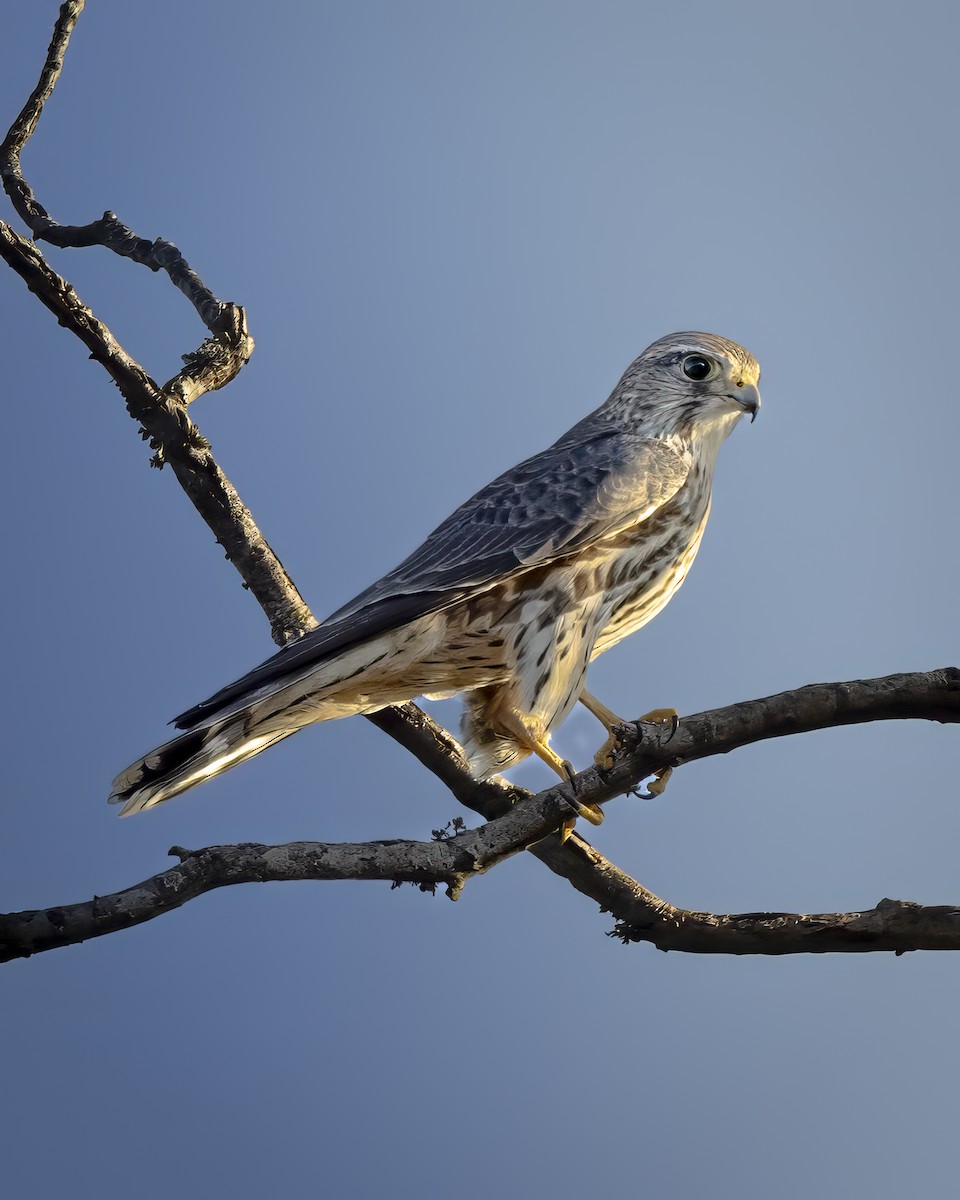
592	812
608	718
536	742
605	755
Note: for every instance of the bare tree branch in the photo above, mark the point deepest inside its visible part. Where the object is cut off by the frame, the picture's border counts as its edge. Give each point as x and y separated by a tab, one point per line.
164	420
447	860
897	925
927	696
221	357
515	819
641	916
20	132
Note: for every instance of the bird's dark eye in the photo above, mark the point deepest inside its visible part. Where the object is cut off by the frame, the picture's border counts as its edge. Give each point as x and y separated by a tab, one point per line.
696	367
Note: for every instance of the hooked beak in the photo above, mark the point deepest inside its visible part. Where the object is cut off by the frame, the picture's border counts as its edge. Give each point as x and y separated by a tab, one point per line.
747	395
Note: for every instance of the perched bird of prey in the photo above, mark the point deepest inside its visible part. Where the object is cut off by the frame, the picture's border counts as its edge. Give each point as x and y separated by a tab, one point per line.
512	596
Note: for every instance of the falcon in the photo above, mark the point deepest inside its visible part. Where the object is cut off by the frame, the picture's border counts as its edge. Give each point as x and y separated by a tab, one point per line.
512	596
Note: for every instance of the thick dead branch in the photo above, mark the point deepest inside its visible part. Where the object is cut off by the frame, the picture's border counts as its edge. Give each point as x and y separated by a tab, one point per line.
426	864
446	860
897	925
922	695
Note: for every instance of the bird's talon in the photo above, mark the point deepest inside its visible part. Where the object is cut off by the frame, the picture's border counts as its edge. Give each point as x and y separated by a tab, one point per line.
660	716
658	786
571	774
606	756
590	812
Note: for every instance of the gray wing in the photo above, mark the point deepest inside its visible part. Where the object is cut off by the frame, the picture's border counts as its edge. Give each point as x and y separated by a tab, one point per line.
550	506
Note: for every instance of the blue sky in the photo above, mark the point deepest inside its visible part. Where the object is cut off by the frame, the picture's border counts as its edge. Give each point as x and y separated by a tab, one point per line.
453	225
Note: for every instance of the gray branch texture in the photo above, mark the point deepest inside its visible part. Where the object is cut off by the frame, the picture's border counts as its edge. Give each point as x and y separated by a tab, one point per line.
514	819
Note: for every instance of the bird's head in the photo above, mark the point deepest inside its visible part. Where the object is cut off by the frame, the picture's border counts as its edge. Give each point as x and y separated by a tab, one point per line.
695	385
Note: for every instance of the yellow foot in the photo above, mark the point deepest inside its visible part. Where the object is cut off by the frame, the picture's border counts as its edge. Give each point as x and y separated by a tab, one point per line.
658	785
590	812
660	716
608	751
605	756
532	735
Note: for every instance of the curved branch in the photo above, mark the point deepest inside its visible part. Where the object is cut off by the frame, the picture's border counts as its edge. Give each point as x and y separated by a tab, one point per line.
26	933
647	748
165	422
20	132
448	860
221	357
643	916
519	821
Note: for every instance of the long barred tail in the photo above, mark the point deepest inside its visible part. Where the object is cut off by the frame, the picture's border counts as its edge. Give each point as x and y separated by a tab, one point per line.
264	707
243	720
191	758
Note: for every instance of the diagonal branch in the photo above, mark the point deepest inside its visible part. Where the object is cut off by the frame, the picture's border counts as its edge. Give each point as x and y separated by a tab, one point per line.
165	422
920	695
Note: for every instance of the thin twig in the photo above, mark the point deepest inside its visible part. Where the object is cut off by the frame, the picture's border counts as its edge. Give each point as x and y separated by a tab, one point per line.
219	358
166	424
